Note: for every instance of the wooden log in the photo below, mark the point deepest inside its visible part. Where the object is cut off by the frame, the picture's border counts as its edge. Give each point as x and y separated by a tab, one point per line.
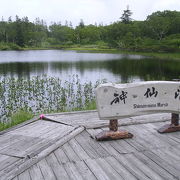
173	127
113	133
113	125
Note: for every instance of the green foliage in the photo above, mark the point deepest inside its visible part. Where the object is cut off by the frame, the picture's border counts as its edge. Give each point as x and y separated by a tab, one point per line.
21	116
152	35
9	46
44	95
16	118
61	34
126	16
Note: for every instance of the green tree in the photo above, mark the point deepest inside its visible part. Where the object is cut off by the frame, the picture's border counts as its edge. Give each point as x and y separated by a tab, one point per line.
19	39
159	23
126	16
61	34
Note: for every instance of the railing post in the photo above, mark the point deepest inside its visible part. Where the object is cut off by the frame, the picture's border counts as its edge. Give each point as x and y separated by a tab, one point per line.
175	119
174	126
113	125
113	133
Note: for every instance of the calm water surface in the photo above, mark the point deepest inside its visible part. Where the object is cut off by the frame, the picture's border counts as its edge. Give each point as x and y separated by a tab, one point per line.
88	66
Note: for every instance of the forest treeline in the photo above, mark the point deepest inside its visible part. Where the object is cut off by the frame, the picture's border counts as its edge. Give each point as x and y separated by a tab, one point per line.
160	32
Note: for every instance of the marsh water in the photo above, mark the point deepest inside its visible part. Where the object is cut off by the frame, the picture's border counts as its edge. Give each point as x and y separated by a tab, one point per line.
88	66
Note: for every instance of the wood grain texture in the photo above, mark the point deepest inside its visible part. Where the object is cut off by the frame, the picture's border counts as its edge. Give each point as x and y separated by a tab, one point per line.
117	101
59	151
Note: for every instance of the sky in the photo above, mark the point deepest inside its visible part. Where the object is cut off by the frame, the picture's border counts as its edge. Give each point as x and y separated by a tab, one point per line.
91	11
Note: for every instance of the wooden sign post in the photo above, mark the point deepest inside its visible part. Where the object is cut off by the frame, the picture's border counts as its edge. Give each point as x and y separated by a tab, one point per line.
116	101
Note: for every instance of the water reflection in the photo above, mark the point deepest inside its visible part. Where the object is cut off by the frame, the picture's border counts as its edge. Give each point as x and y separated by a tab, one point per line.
125	69
88	66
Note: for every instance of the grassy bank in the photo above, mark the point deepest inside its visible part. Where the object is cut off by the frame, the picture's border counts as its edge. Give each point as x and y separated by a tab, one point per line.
159	55
94	49
16	118
23	115
9	46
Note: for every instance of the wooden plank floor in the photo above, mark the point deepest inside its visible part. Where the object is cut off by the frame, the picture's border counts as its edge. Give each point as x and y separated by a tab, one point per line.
28	141
148	155
89	119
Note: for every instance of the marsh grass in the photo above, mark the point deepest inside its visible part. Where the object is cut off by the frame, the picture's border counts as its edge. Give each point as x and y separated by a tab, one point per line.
16	118
21	98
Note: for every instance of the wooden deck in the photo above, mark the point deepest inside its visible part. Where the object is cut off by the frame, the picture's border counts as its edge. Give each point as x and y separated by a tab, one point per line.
63	147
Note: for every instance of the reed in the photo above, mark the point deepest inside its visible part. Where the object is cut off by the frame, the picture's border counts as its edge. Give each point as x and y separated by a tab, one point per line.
42	94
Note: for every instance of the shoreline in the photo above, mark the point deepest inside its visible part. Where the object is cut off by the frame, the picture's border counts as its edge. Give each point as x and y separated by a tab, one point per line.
159	55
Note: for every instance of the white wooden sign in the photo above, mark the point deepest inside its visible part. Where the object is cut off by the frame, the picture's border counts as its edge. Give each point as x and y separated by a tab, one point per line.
115	101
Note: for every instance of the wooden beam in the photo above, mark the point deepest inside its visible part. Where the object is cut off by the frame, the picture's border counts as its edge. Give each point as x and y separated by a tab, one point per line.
113	133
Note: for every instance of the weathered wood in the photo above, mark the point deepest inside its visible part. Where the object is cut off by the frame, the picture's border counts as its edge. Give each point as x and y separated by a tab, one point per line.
133	169
106	144
146	139
18	149
86	146
120	168
173	152
96	146
115	101
151	129
78	149
171	136
163	164
24	176
113	135
61	156
154	166
28	163
35	173
149	155
90	121
46	170
84	171
152	137
143	167
127	148
33	143
108	169
58	169
6	161
175	119
16	178
126	100
168	157
9	168
96	169
173	127
72	171
70	152
113	125
39	128
13	139
19	125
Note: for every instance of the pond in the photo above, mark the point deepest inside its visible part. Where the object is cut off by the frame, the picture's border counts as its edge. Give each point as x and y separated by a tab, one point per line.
88	66
44	81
